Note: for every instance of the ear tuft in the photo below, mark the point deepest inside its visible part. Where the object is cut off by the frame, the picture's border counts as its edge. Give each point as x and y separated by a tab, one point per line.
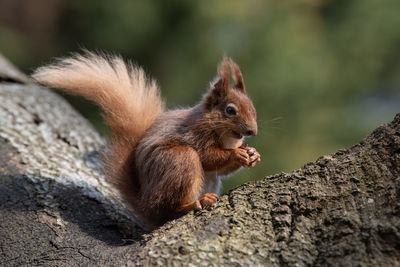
222	83
237	76
220	87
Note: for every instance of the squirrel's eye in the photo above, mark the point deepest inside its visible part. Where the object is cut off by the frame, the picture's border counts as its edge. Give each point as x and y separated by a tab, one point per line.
230	110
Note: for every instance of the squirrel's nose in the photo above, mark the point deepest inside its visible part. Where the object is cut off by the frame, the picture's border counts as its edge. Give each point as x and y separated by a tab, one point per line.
252	130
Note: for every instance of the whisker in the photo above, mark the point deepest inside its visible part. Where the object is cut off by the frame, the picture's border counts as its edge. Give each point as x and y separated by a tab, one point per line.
274	120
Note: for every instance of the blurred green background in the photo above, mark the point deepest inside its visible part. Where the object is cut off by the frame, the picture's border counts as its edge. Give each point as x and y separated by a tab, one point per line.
322	73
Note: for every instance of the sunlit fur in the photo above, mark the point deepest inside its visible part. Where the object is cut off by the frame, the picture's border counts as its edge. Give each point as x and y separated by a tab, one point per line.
162	162
131	101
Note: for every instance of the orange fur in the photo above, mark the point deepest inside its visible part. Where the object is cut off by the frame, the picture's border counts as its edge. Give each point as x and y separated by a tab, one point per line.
164	163
131	101
121	89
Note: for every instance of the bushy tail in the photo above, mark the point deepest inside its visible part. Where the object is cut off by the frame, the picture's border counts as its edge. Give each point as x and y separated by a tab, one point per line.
131	101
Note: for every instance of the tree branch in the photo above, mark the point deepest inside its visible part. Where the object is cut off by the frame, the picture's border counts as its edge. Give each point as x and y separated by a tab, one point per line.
57	209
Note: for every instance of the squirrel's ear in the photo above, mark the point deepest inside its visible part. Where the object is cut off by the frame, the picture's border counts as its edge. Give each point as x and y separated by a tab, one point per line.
237	76
222	83
220	87
215	93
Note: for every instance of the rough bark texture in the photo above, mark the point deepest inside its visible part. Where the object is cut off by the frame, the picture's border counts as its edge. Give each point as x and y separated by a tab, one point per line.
57	209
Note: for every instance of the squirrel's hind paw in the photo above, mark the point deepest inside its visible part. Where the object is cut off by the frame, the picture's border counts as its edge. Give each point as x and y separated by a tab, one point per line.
208	200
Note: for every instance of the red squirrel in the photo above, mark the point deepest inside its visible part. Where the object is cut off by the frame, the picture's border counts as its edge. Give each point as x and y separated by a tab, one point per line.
165	163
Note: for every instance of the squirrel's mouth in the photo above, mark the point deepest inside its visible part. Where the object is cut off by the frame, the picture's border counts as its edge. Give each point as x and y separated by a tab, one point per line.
237	135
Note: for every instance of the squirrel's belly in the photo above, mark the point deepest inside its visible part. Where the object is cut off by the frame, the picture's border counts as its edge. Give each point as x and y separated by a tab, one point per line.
212	183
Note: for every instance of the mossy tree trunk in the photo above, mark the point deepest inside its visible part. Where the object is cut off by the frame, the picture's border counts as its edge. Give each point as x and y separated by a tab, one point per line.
57	209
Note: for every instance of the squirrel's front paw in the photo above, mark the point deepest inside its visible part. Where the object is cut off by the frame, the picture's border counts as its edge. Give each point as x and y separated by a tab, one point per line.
254	156
208	200
241	156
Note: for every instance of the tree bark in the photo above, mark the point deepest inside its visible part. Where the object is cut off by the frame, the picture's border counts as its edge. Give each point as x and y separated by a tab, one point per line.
57	209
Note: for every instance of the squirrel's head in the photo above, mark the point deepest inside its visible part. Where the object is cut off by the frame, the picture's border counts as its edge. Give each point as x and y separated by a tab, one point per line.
230	108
